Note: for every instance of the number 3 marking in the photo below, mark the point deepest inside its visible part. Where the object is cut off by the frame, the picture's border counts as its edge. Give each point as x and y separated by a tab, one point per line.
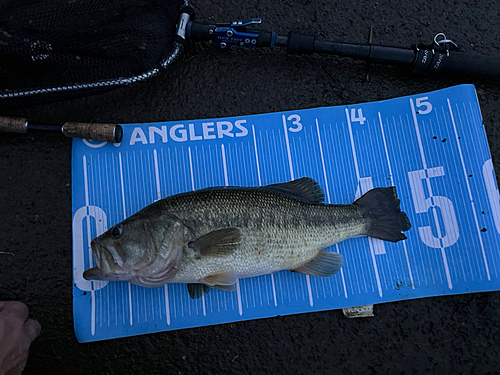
295	121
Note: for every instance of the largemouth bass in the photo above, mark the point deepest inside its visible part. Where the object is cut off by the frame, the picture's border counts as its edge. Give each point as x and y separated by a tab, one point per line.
213	237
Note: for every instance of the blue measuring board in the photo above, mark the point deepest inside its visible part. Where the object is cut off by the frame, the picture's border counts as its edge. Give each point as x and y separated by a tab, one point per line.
431	146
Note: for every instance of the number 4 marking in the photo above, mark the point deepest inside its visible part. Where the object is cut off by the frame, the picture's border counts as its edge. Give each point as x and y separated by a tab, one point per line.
360	118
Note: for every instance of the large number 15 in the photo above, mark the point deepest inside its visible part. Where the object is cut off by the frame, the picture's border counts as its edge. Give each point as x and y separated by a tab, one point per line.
423	205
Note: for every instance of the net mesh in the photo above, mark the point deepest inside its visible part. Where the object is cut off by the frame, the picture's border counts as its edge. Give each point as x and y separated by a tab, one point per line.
58	47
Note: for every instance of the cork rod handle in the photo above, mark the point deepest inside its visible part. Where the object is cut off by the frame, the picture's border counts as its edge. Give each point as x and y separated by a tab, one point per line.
13	125
97	132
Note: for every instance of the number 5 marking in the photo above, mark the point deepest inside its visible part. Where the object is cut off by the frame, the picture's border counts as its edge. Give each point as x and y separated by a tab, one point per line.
421	102
423	205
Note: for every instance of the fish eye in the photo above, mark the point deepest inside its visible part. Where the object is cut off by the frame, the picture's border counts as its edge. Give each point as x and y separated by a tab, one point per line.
117	231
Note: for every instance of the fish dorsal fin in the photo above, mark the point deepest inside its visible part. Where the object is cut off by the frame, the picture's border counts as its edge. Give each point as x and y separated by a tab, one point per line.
323	265
304	189
222	279
219	242
197	290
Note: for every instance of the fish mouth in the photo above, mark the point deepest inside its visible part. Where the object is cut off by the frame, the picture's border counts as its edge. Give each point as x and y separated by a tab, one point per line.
108	263
106	258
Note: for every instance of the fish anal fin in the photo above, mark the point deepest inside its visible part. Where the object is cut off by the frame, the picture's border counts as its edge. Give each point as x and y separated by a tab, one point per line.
304	189
323	265
219	242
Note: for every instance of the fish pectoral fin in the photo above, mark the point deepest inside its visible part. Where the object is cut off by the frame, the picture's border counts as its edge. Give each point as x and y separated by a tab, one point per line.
304	189
223	279
324	264
219	242
197	290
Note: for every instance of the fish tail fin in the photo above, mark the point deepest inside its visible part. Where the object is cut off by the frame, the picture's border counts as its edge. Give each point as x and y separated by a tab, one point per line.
388	222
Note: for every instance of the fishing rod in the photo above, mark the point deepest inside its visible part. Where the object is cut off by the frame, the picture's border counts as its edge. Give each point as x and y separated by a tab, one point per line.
442	56
89	50
94	131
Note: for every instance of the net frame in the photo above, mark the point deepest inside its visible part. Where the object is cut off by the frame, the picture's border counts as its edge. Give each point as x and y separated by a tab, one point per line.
30	45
